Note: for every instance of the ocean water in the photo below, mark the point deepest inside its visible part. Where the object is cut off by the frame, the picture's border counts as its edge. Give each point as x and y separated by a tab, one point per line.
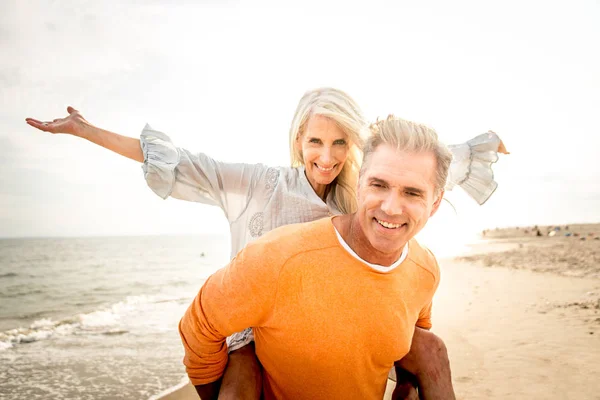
96	318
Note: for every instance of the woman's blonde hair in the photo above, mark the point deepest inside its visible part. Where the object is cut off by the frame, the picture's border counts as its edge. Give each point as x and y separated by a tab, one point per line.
343	110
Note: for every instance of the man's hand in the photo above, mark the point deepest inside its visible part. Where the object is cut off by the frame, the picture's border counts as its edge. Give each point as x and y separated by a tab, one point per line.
406	385
210	391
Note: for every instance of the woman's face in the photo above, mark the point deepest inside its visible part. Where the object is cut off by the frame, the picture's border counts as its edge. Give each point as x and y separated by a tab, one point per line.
324	148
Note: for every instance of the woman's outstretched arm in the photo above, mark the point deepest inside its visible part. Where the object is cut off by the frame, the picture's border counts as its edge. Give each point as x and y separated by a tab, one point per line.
74	124
171	171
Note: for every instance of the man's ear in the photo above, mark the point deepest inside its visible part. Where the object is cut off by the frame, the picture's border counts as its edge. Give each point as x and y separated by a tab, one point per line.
436	204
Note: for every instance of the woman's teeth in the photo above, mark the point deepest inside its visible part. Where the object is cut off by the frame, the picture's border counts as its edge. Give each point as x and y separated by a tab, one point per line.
324	169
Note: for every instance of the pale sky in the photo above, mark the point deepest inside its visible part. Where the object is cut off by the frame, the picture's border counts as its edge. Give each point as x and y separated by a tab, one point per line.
224	77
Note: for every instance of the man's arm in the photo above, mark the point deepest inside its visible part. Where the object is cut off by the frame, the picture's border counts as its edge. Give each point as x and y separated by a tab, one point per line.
210	391
407	368
427	364
406	384
238	296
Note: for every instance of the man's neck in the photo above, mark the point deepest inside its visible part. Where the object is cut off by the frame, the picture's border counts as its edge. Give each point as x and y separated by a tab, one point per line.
350	230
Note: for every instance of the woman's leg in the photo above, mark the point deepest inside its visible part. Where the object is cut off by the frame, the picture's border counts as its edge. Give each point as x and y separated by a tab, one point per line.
428	361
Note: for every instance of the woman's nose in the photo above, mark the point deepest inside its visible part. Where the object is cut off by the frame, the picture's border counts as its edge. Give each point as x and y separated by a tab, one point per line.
326	155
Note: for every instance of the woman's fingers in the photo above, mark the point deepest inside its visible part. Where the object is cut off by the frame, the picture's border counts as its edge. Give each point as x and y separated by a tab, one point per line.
43	126
52	127
33	120
502	148
58	125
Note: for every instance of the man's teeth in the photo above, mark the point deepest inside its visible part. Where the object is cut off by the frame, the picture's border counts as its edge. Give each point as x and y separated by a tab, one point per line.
388	225
323	168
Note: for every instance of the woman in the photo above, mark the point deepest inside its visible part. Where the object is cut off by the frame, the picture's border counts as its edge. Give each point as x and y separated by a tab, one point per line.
326	136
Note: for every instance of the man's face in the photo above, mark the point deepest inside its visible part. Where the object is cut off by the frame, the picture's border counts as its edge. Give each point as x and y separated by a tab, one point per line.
396	197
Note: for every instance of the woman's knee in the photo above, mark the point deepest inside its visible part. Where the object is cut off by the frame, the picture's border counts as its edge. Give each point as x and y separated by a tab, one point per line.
429	345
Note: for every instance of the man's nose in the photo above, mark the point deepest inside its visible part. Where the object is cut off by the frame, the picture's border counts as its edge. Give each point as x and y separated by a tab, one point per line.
392	205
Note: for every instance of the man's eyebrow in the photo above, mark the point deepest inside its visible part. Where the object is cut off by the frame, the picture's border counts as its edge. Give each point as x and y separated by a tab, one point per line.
377	180
414	189
383	182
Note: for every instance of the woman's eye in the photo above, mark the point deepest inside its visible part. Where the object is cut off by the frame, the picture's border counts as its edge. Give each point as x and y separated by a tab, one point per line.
314	140
340	142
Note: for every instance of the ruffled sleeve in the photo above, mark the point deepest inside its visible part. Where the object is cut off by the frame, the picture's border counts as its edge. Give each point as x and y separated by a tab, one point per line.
160	160
471	167
175	172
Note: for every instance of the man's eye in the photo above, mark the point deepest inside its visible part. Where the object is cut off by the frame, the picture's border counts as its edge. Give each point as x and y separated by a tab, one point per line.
412	194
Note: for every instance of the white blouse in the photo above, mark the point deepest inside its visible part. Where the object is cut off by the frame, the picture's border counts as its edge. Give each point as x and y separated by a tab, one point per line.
254	197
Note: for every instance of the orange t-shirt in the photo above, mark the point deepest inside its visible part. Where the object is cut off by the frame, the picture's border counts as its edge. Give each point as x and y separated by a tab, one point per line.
326	325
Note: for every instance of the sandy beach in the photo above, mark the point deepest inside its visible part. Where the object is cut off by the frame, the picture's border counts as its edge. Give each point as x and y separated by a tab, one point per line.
520	315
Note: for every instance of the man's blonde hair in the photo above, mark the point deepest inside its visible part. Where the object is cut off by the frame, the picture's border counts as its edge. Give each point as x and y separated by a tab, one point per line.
409	136
344	111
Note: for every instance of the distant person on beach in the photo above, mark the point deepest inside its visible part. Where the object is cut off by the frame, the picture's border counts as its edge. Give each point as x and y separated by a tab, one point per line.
326	137
334	303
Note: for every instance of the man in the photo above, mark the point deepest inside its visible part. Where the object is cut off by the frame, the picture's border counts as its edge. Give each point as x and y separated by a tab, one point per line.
333	303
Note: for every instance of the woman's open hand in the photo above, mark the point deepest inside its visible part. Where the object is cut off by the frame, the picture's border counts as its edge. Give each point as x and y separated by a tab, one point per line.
73	124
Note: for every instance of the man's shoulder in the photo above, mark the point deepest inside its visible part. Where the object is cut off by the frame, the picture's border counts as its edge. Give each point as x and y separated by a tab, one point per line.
423	257
288	240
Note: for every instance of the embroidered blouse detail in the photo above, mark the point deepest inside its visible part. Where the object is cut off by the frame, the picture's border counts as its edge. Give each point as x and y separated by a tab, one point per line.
256	225
272	176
